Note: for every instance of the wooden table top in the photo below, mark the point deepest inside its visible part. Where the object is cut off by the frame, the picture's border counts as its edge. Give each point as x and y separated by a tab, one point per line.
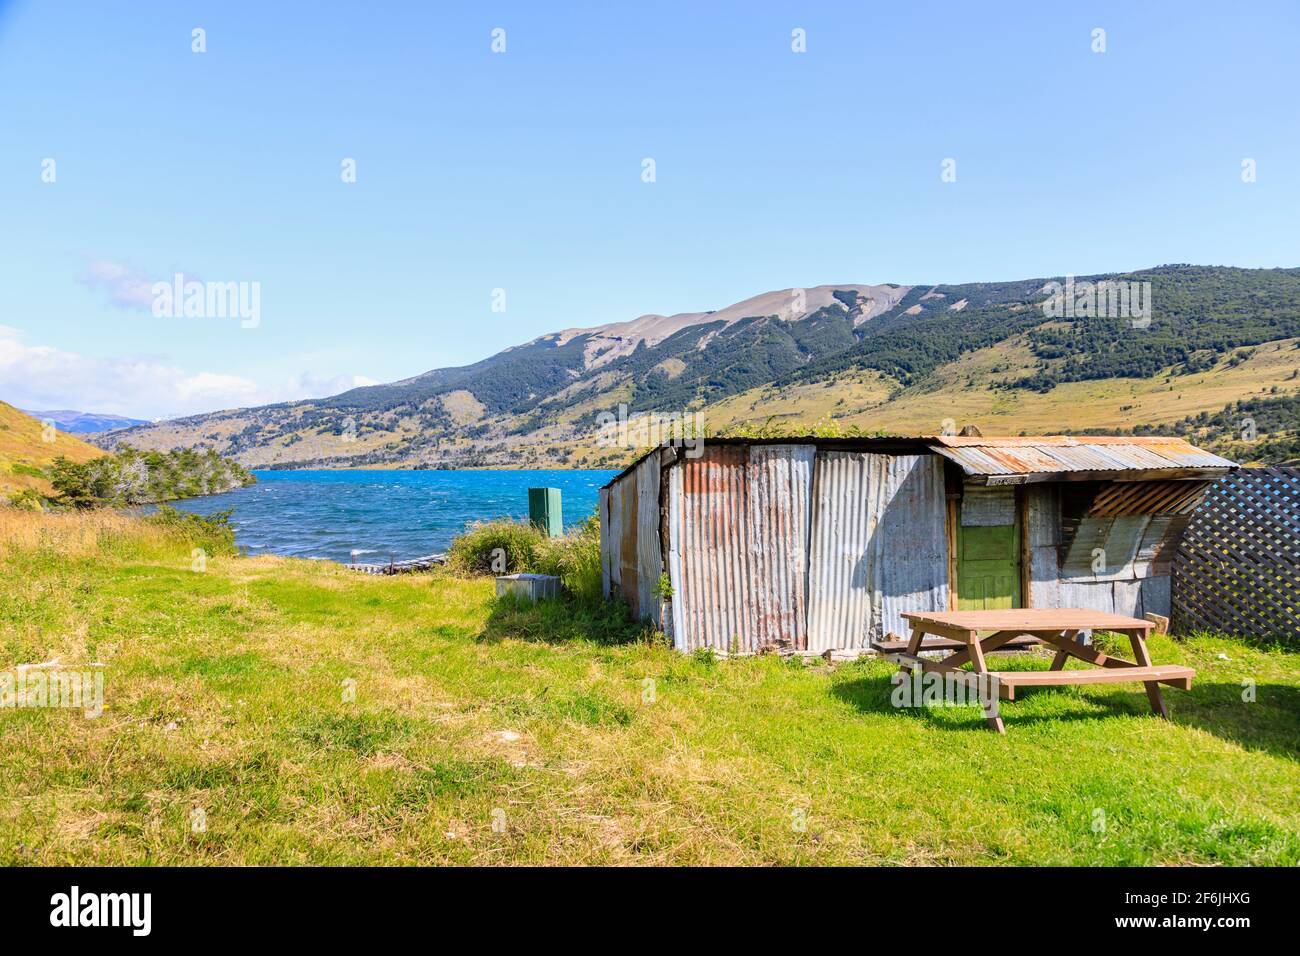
1030	619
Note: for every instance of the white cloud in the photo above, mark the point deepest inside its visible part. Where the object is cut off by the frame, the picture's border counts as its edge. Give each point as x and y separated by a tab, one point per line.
41	377
127	288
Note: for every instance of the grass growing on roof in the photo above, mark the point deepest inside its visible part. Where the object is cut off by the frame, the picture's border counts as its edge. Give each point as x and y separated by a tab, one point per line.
318	716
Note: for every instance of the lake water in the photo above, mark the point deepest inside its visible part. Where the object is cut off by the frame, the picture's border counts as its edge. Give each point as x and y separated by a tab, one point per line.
384	514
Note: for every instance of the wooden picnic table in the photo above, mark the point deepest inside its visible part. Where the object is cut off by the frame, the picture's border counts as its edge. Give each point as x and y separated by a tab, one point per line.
971	634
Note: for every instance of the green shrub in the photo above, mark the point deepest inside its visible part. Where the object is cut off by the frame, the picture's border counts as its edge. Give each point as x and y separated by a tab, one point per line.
27	498
213	534
133	477
574	558
519	543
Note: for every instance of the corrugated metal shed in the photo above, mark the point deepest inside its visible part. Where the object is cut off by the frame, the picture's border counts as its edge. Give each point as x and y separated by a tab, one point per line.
1020	460
824	543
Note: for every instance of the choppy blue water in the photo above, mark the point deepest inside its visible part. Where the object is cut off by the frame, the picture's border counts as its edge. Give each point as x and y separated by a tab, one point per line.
384	514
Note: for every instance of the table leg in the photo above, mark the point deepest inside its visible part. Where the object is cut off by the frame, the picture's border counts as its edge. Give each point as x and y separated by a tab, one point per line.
1138	640
1062	655
913	646
978	666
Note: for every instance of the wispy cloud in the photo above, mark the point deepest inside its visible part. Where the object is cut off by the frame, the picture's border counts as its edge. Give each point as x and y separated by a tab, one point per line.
127	288
42	376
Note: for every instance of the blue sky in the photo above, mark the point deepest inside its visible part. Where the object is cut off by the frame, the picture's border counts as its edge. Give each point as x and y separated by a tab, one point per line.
523	170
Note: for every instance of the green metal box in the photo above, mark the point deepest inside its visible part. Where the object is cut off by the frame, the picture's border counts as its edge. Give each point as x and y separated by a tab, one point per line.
545	512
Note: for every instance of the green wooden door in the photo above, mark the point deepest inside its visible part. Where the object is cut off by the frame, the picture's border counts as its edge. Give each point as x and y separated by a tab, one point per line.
988	566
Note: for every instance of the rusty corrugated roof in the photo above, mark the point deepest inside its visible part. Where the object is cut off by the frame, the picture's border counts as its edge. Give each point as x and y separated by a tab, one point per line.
1037	458
1014	459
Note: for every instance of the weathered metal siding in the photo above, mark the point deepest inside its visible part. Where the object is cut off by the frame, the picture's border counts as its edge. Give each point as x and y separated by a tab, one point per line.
630	550
613	516
840	573
779	489
1132	598
1121	564
983	507
1042	504
880	546
649	555
1157	595
676	575
913	551
738	529
607	540
709	549
626	502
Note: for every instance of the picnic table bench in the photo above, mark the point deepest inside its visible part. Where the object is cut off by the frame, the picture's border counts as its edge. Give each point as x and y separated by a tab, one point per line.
971	634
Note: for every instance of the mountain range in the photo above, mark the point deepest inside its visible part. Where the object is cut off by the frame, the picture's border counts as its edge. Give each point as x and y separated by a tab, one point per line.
1210	347
80	423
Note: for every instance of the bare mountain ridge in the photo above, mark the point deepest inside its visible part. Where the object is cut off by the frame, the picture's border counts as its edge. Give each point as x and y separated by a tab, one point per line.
606	343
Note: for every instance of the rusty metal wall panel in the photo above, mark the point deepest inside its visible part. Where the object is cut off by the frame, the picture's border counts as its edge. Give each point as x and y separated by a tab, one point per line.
712	551
614	502
606	541
840	575
628	578
778	491
913	542
676	573
739	524
649	559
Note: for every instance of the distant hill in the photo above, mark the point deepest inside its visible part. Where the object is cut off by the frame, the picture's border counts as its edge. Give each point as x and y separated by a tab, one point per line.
80	423
904	359
27	447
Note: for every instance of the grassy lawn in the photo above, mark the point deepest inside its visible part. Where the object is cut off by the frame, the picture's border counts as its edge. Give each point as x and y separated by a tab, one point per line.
492	734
